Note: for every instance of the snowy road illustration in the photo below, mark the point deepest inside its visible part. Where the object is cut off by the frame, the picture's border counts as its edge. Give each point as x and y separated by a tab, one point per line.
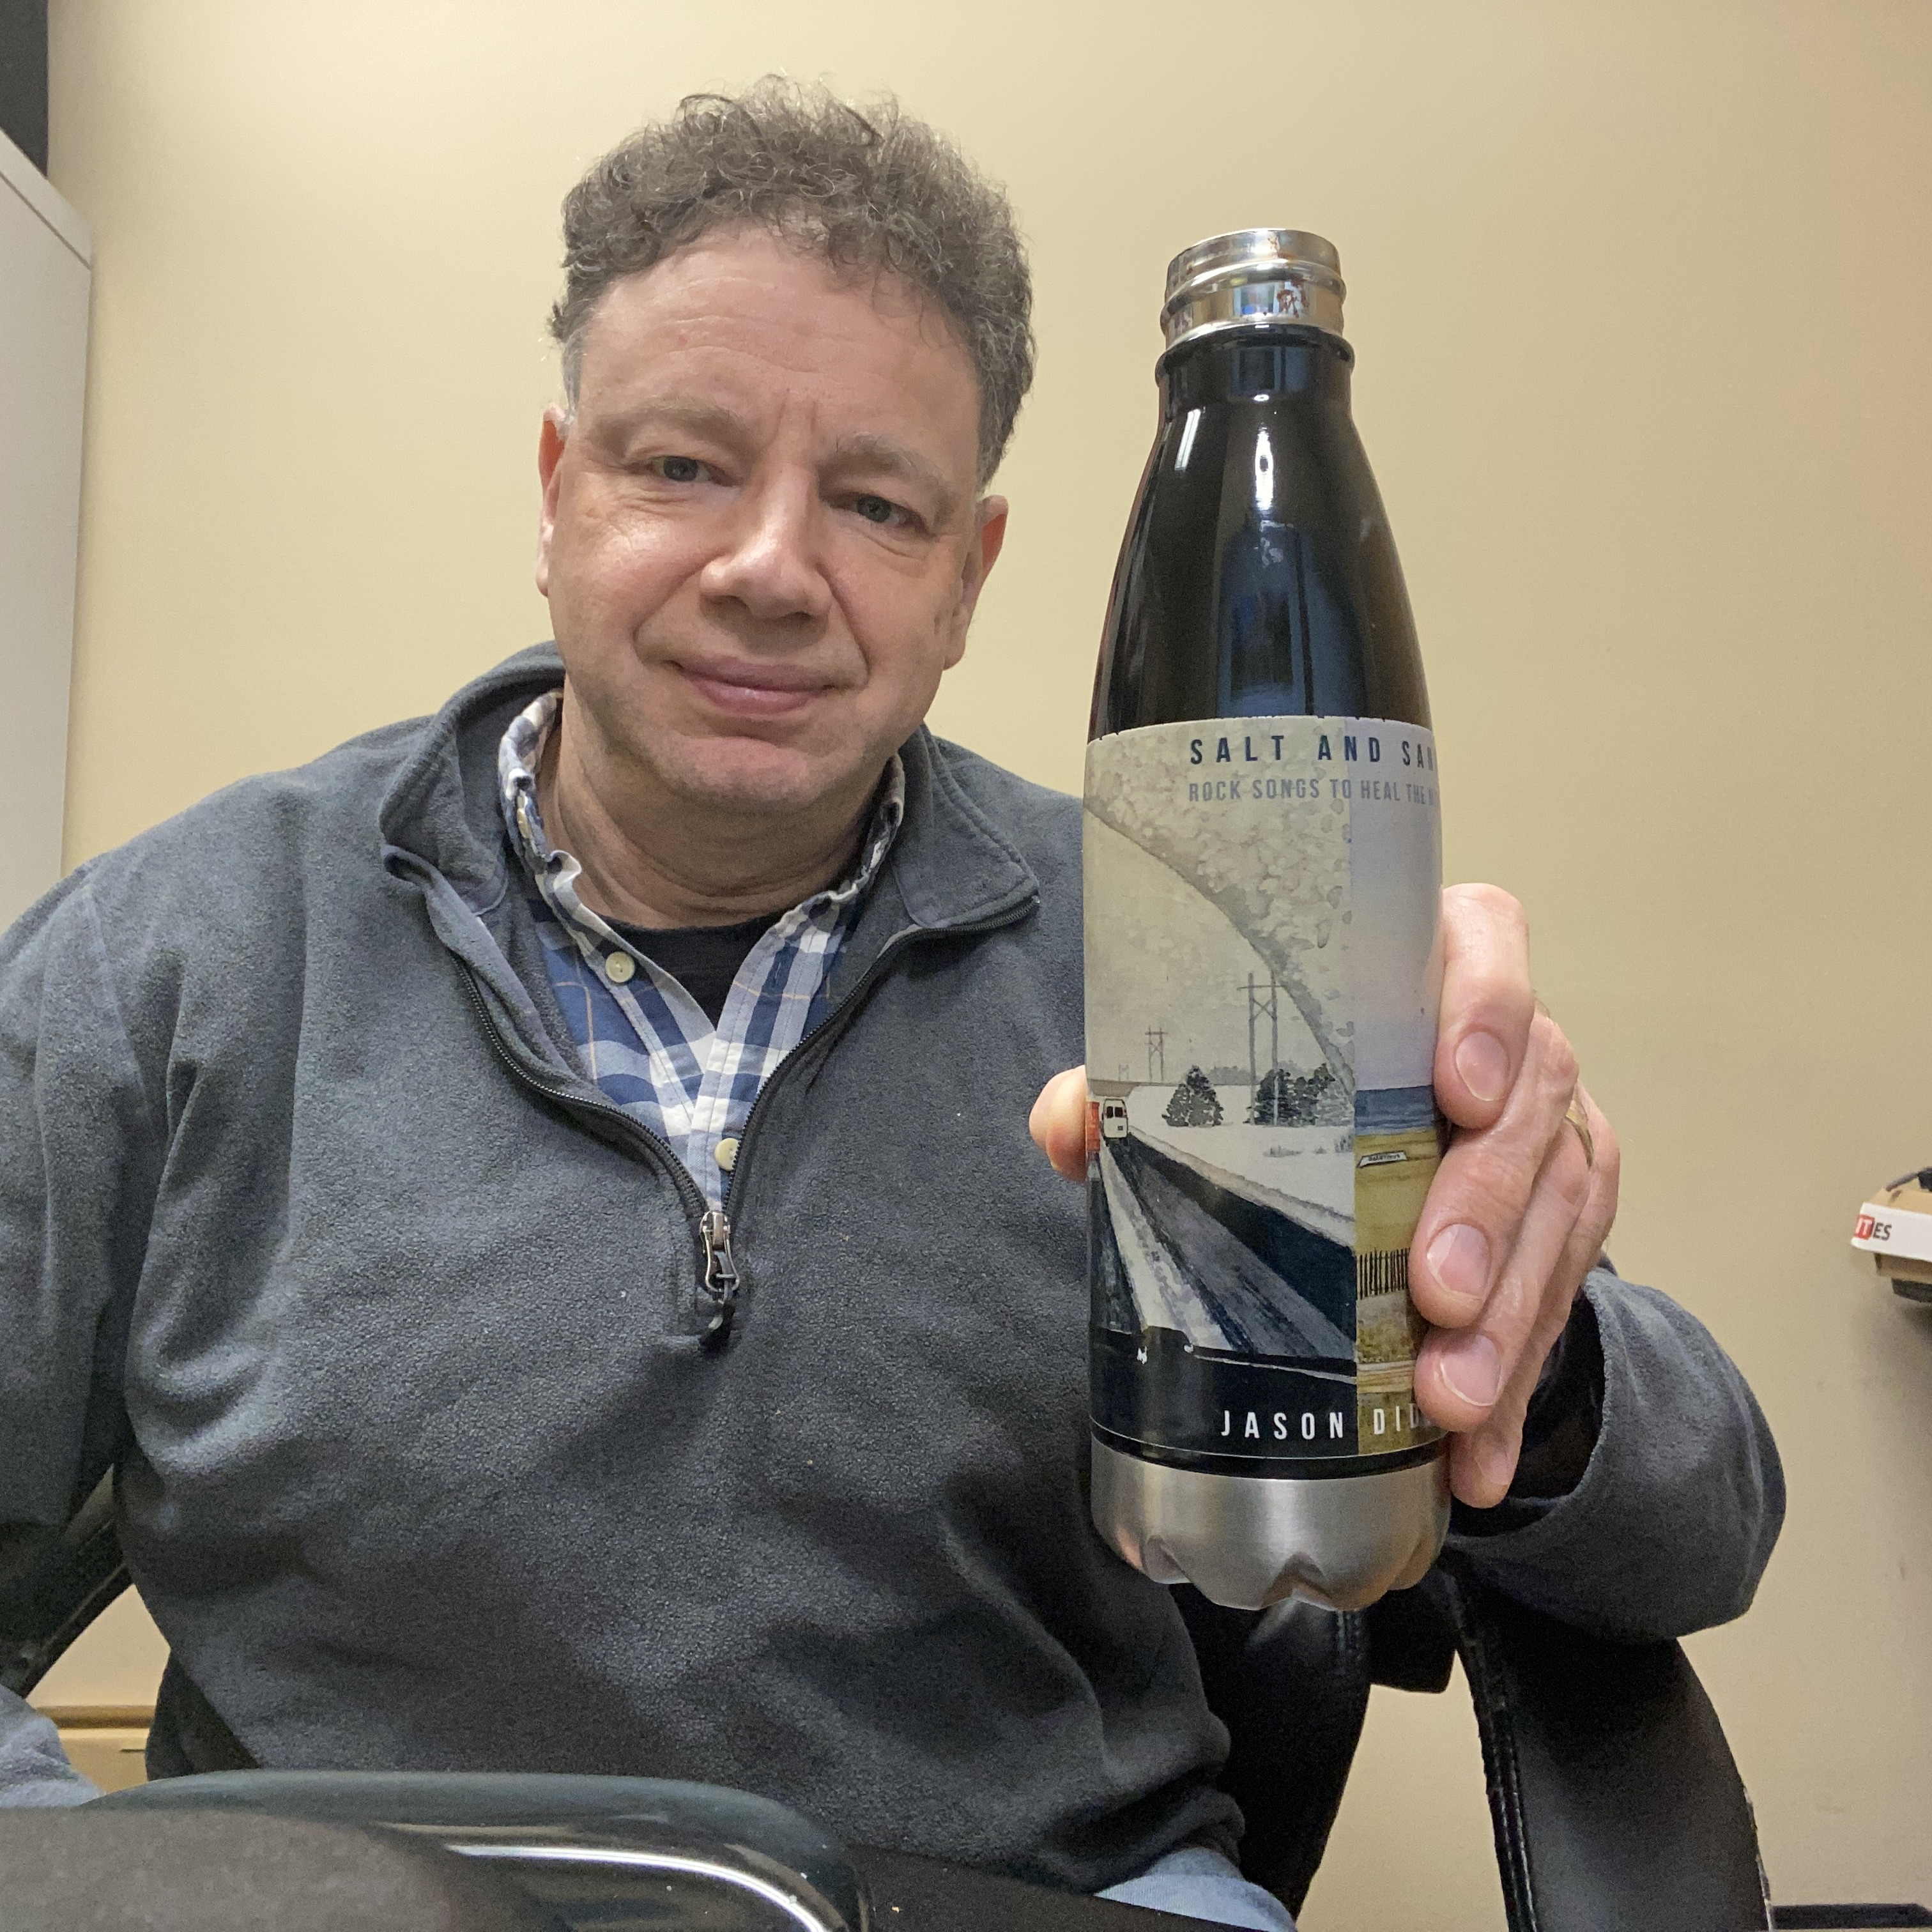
1253	1281
1299	1171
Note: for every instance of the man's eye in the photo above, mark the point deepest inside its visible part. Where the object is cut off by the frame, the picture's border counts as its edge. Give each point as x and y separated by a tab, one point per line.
679	469
875	509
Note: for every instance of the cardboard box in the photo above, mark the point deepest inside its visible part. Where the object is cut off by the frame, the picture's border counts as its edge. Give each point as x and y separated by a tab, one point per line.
1894	1228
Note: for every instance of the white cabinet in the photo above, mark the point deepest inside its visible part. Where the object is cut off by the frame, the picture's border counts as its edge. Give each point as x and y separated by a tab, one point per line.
45	272
44	277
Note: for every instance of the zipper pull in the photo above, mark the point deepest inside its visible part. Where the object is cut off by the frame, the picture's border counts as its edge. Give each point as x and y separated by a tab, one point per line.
720	1276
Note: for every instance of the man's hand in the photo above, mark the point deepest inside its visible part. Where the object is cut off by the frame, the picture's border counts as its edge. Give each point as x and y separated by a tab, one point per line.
1518	1213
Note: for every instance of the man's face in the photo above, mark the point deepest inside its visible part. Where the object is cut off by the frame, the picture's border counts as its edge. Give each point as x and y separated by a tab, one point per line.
760	540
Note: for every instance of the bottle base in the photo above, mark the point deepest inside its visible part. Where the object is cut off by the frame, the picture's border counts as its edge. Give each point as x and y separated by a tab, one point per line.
1249	1541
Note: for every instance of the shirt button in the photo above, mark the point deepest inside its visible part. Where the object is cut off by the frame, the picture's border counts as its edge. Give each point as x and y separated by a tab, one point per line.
727	1155
619	966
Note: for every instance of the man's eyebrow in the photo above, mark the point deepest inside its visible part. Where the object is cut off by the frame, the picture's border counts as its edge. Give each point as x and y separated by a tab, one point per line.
696	417
895	459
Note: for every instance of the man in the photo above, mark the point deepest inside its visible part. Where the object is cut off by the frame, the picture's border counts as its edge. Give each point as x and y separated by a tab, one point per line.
534	1203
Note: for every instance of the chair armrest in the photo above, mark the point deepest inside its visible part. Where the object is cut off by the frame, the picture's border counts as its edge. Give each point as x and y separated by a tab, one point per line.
65	1580
1614	1797
597	1852
1291	1684
73	1866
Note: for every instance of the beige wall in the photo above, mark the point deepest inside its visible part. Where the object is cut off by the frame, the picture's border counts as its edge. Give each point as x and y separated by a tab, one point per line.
1640	295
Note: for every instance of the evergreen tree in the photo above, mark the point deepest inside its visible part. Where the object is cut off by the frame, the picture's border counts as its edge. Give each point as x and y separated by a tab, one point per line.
1269	1108
1286	1098
1196	1103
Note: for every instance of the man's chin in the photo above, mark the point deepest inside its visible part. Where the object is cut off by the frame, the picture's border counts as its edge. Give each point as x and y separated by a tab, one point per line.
760	780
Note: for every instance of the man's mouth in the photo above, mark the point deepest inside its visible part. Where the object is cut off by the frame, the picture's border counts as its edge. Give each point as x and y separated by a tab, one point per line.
752	690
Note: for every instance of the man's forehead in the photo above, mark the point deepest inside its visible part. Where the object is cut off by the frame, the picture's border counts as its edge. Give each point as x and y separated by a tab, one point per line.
746	324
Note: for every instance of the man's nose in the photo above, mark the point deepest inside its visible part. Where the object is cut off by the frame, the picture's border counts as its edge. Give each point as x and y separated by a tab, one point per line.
771	565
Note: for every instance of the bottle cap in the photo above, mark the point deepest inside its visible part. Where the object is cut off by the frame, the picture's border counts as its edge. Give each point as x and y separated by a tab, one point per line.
1253	276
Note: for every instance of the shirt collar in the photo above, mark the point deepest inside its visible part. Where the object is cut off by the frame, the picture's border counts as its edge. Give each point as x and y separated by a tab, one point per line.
520	752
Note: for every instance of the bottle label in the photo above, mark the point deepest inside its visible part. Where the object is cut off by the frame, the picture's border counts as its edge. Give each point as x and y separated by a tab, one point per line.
1263	967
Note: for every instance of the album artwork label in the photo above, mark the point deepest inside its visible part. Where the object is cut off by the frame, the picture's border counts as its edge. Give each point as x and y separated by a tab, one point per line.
1264	968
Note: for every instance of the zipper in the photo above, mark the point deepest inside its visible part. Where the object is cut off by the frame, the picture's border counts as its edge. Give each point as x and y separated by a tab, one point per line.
718	1277
654	1146
721	1274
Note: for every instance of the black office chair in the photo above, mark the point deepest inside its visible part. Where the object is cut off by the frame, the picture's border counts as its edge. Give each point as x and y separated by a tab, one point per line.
1614	1797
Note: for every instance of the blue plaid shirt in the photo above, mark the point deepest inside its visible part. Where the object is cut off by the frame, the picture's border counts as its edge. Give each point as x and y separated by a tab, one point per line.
649	1045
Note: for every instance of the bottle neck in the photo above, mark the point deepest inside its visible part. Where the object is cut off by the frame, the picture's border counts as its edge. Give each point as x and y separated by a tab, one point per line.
1259	365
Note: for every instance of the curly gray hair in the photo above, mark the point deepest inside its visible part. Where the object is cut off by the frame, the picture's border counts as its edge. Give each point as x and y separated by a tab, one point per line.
873	191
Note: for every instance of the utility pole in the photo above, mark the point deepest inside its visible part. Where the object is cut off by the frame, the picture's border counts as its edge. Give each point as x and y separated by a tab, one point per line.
1254	1077
1258	1006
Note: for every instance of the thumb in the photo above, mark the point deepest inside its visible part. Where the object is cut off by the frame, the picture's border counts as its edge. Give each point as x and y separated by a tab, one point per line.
1058	1123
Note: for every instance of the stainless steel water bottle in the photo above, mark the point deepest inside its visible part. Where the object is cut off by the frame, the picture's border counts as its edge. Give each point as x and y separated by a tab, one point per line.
1263	879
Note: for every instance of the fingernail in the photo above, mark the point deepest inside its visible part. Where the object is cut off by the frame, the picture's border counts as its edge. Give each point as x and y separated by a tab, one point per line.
1472	1368
1459	1258
1484	1065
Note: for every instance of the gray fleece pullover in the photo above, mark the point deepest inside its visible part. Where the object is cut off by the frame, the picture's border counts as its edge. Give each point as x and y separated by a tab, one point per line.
311	1223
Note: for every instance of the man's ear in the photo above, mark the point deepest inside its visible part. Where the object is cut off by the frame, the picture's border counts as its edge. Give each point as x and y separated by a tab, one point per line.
550	440
983	552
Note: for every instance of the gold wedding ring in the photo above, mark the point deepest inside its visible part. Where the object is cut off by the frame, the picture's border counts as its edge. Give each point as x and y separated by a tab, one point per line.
1576	1116
1580	1121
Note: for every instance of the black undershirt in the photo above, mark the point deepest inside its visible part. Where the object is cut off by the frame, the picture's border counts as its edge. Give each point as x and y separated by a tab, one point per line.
703	959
